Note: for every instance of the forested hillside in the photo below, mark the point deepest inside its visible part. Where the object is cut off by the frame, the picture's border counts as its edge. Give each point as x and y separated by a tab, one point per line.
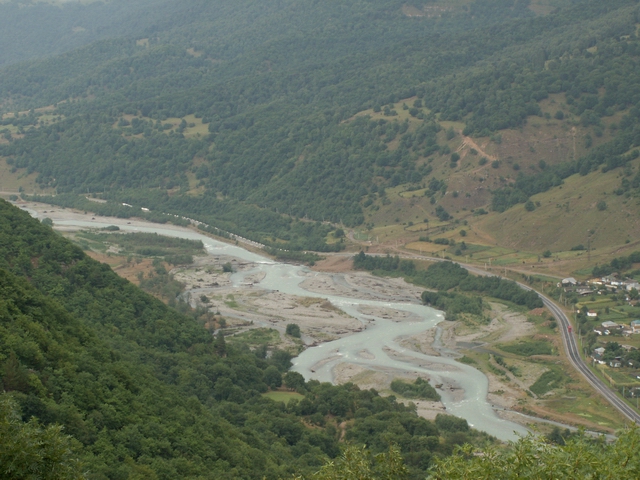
233	112
39	29
146	392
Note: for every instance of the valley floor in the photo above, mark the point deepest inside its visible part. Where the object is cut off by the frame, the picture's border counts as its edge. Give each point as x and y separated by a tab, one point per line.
257	315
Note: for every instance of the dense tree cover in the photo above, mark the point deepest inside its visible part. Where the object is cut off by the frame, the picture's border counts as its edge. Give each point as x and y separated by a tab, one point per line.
559	455
338	39
33	30
418	389
617	265
453	303
387	263
277	85
27	450
533	457
444	276
506	90
503	289
147	244
309	258
100	157
358	463
147	392
219	216
293	329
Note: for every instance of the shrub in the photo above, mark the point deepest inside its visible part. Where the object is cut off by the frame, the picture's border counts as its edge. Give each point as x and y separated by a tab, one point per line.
449	423
179	259
293	330
547	382
418	389
527	349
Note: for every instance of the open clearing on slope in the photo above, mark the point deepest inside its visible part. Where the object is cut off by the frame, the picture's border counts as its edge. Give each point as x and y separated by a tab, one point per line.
285	397
572	206
11	181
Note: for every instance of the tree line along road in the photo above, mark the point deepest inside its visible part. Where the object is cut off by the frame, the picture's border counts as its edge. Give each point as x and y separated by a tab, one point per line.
568	341
573	352
571	347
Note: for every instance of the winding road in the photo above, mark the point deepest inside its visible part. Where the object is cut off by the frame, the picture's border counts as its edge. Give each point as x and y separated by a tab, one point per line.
571	347
568	341
572	350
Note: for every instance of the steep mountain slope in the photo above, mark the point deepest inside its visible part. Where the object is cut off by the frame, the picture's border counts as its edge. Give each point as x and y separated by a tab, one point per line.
238	112
146	392
30	30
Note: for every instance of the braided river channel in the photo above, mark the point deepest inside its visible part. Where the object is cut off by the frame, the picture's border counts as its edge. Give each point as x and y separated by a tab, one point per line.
463	388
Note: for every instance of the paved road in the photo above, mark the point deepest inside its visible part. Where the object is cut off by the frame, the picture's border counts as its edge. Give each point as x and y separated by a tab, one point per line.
569	343
573	352
568	340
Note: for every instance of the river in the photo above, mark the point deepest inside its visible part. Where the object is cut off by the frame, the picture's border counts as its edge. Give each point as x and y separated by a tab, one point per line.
375	347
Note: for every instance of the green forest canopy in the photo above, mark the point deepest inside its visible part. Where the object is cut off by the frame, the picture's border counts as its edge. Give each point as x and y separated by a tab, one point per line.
535	458
279	141
452	283
146	391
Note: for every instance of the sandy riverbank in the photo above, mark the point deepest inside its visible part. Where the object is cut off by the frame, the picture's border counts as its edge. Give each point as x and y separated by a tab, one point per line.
250	305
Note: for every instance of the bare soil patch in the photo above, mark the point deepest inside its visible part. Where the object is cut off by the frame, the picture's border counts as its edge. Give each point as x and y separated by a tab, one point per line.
334	263
380	380
251	306
119	264
363	285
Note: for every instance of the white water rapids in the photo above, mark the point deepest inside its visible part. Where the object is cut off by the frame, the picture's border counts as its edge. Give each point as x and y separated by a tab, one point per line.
465	388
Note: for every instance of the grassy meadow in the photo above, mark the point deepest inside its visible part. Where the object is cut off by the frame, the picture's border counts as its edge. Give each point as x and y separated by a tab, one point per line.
285	397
